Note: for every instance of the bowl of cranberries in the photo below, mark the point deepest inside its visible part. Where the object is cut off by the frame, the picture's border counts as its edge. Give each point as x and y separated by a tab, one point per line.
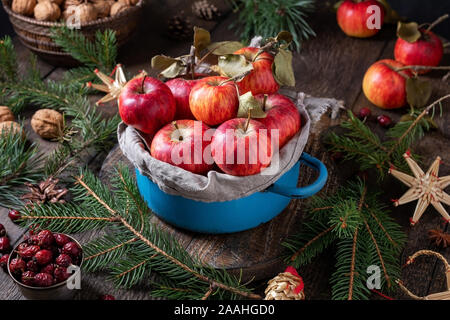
41	265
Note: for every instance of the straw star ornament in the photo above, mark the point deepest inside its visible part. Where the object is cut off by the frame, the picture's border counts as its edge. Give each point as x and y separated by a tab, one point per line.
427	188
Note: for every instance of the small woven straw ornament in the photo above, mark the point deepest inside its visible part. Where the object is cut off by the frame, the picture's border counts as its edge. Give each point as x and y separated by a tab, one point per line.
285	286
445	295
427	188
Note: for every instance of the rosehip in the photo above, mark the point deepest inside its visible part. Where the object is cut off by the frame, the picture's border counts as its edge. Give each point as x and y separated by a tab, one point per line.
2	230
43	257
5	245
28	278
72	249
364	113
45	238
61	239
14	215
384	120
4	261
43	280
107	297
63	260
17	266
29	251
50	268
32	266
61	274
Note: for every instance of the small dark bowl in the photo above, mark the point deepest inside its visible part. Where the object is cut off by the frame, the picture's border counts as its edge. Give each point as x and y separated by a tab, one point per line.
59	291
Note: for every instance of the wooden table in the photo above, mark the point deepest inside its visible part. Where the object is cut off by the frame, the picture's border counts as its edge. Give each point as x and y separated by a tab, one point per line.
330	65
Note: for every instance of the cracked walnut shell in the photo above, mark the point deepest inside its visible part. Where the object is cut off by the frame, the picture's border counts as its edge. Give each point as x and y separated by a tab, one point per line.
25	7
6	114
47	123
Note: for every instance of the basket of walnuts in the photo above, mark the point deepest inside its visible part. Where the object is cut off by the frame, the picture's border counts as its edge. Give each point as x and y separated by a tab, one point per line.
33	20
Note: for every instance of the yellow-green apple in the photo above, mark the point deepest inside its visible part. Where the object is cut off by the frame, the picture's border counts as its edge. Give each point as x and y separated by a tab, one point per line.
146	104
214	100
360	19
185	144
427	51
260	80
281	115
385	87
241	147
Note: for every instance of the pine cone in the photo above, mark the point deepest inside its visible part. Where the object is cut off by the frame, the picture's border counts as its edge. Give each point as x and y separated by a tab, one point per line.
45	192
285	286
179	27
205	10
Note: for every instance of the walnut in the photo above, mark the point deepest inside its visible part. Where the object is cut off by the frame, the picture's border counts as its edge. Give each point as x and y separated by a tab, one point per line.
68	3
47	123
83	13
129	2
58	2
6	114
68	12
117	8
25	7
47	11
7	126
103	7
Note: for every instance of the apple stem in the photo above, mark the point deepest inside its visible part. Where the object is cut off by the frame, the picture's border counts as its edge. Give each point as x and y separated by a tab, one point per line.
192	63
235	78
143	82
247	123
264	102
175	124
422	68
437	21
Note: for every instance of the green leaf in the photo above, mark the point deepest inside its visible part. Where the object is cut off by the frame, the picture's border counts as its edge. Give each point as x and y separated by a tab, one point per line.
247	102
282	68
225	47
337	5
174	70
161	62
408	31
234	65
418	92
285	36
202	39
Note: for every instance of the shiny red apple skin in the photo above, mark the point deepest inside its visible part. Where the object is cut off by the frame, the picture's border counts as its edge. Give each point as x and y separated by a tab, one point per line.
427	51
352	18
282	115
256	133
385	87
166	143
181	89
260	80
146	104
213	102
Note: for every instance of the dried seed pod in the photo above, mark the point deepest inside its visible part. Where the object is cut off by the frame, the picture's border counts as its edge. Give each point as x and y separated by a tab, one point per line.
47	123
117	8
129	2
47	11
6	114
103	7
58	2
25	7
8	126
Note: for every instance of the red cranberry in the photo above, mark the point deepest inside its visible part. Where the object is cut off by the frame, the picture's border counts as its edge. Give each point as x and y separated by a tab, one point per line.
22	246
17	266
61	274
28	278
364	113
5	245
107	297
33	239
50	268
29	251
43	257
384	120
4	261
43	280
72	249
2	230
61	239
63	260
32	266
45	238
14	215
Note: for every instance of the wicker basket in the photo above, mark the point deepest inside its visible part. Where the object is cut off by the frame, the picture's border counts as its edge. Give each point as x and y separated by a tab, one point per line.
36	34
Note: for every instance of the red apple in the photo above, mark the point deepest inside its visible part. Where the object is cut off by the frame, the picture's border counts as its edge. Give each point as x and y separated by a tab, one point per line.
427	51
241	147
385	87
356	18
260	80
146	104
185	144
214	101
282	115
181	88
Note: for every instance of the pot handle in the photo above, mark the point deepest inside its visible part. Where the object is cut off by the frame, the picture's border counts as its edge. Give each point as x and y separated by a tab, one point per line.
308	191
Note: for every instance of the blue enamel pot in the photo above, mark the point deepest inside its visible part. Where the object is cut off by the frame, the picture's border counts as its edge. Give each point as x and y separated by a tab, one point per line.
235	215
